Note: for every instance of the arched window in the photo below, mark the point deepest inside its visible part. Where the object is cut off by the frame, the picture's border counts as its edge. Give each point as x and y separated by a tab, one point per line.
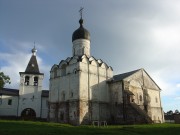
75	71
63	96
63	70
74	114
62	116
72	94
140	97
26	80
35	81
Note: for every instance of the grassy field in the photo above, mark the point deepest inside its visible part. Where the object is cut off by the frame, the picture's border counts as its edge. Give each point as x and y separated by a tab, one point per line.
8	127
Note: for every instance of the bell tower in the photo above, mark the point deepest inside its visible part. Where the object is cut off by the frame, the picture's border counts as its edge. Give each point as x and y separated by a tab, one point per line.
30	88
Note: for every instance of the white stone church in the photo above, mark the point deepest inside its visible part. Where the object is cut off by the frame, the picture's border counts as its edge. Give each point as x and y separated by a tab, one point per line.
83	90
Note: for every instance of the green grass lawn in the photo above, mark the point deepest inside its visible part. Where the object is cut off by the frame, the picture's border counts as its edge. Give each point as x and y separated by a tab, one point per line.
8	127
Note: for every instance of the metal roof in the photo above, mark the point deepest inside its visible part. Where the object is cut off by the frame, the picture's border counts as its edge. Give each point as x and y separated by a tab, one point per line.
45	93
120	77
81	32
9	92
32	66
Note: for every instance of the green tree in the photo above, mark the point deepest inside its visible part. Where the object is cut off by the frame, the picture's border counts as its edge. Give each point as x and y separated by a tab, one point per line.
4	79
176	111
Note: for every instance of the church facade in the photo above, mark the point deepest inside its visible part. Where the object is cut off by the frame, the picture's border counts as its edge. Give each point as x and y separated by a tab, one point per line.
83	90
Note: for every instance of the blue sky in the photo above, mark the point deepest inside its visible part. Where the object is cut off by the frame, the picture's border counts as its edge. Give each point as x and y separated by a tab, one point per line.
127	35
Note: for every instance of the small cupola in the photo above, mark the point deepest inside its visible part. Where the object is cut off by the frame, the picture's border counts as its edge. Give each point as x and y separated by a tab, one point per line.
81	32
81	40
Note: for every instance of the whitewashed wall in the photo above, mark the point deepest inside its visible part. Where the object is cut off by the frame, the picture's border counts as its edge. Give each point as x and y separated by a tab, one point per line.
8	110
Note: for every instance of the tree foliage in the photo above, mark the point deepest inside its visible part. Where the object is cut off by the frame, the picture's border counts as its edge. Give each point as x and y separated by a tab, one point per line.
170	112
4	79
176	111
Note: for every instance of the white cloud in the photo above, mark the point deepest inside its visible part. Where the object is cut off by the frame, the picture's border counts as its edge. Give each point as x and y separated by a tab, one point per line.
17	61
177	98
178	85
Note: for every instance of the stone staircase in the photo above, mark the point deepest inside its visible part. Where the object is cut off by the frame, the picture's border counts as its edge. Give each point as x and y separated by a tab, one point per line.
142	115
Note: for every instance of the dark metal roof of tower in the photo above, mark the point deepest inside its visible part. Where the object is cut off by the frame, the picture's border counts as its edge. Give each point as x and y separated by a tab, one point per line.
32	67
81	32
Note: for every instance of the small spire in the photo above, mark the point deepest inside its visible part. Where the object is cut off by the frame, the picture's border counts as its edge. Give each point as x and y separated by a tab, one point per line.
34	50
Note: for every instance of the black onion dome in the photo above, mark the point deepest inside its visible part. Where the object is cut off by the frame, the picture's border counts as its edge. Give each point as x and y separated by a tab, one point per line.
81	32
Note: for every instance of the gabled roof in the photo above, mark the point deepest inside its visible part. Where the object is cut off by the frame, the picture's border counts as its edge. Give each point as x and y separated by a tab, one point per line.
120	77
45	93
9	92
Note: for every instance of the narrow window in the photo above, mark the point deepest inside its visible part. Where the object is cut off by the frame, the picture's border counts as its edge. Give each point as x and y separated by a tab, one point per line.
35	81
75	71
26	80
74	114
140	97
72	94
63	70
63	96
10	102
62	116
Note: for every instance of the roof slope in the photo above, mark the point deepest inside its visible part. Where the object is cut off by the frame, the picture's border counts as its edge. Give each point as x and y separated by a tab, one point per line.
10	92
124	75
